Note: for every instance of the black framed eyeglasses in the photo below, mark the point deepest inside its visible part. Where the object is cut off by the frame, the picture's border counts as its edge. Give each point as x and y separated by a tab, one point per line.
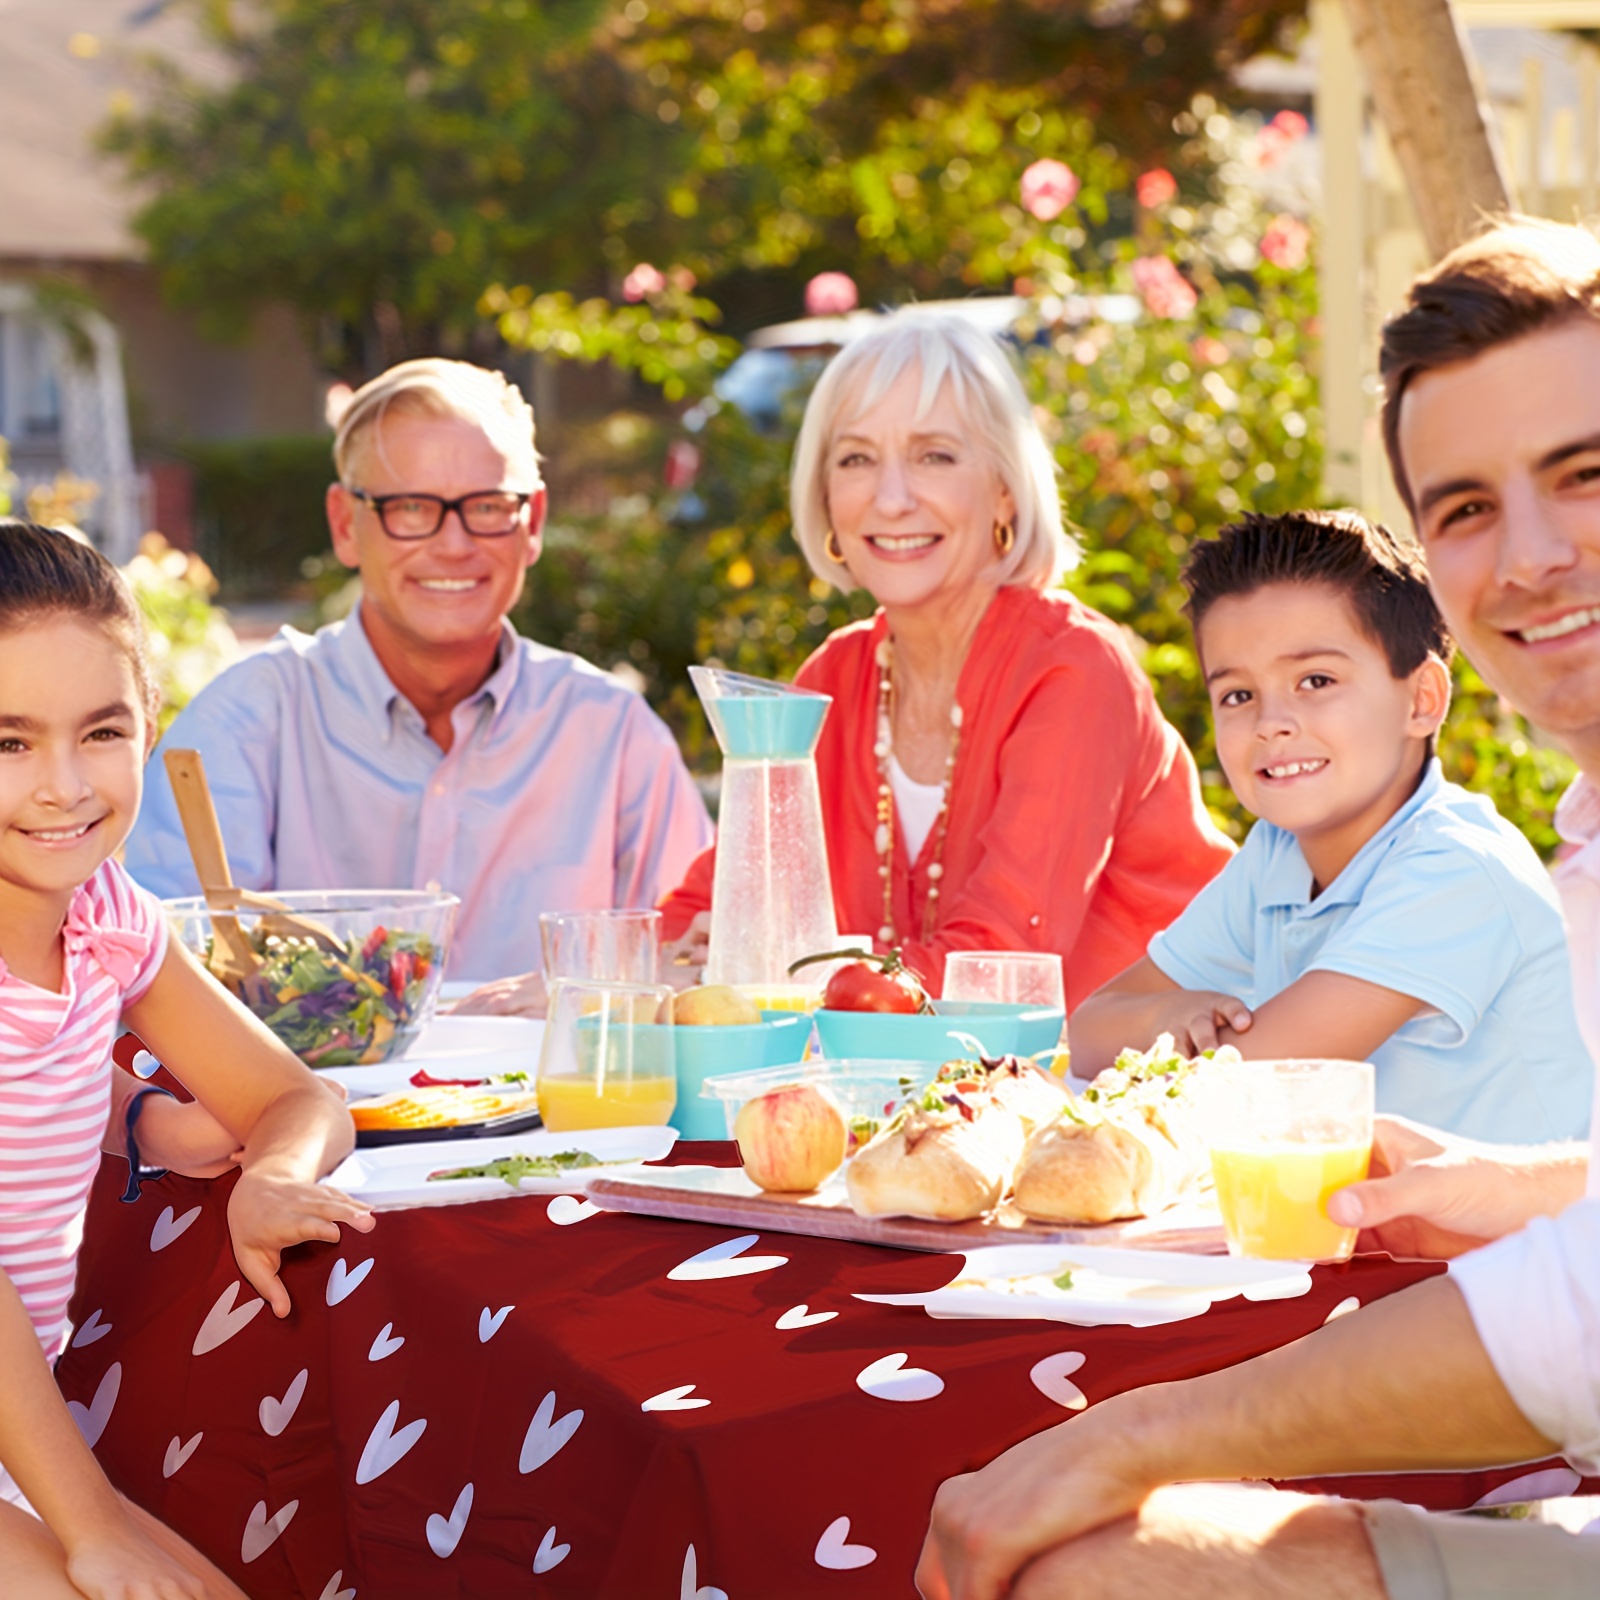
485	514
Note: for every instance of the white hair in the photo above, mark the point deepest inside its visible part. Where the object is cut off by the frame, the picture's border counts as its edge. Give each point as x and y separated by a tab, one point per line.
436	387
947	350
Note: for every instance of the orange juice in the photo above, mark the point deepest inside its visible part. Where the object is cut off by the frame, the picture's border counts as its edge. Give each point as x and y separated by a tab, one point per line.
1273	1197
568	1104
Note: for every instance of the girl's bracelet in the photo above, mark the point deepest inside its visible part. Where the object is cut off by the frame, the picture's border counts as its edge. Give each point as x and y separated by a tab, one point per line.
137	1173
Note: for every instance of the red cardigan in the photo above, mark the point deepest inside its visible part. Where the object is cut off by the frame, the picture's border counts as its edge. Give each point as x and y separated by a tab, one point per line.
1076	822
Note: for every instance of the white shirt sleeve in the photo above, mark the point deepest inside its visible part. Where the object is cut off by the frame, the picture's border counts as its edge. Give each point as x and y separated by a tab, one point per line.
1535	1299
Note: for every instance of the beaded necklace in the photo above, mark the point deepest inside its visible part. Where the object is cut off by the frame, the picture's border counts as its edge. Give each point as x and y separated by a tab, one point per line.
882	748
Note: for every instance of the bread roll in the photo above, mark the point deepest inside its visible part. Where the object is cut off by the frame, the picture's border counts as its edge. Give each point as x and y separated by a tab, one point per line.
1129	1152
941	1165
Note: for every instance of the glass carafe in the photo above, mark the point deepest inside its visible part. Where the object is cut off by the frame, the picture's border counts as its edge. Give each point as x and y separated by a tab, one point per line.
772	897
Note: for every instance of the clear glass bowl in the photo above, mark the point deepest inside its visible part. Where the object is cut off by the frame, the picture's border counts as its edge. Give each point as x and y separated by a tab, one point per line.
363	1003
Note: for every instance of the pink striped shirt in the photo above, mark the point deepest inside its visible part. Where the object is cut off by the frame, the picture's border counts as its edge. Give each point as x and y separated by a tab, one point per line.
55	1086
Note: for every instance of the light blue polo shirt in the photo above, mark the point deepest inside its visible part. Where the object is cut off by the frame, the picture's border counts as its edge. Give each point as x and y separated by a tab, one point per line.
1448	903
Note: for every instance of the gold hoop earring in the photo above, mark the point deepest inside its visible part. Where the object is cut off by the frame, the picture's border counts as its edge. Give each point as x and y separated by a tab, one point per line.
1005	537
832	548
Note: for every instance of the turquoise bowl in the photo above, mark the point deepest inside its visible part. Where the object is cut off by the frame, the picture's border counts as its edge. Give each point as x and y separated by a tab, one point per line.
778	1040
999	1029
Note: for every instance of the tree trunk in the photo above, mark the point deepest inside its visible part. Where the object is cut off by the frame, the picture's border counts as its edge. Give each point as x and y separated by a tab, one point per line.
1415	61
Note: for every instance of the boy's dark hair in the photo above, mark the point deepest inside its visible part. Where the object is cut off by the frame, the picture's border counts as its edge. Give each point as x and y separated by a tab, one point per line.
1520	276
1385	581
45	573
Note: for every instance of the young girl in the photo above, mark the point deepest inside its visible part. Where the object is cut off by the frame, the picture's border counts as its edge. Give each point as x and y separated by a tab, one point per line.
81	946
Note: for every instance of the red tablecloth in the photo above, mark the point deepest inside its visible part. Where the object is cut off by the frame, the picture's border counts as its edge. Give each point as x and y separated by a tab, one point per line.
516	1398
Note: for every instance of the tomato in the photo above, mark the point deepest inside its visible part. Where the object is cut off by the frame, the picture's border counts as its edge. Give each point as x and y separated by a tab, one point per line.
872	983
863	986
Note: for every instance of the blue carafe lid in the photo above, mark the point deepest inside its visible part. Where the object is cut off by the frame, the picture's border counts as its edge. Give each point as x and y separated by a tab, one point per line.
757	719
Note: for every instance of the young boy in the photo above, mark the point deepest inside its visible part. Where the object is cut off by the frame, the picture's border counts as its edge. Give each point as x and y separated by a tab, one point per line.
1376	911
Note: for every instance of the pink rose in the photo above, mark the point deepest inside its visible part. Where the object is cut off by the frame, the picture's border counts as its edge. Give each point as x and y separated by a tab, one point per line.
1155	188
643	281
831	294
1291	125
1166	292
1048	188
1285	241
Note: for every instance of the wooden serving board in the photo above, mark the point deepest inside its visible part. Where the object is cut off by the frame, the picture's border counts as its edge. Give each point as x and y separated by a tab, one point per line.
725	1195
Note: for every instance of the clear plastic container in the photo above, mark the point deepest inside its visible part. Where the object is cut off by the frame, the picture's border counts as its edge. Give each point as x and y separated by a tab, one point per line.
867	1091
359	1004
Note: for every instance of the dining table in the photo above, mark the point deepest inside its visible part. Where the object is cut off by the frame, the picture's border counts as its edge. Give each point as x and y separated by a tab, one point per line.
533	1396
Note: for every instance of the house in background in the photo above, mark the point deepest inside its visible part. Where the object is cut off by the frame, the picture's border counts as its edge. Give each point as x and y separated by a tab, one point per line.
98	377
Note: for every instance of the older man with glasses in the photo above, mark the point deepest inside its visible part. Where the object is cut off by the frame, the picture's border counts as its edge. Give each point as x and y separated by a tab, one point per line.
421	741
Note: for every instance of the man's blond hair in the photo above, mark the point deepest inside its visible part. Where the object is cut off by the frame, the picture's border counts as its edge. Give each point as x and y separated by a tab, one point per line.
435	387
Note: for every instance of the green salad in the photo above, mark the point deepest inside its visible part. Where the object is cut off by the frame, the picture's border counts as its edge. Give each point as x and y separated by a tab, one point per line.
343	1007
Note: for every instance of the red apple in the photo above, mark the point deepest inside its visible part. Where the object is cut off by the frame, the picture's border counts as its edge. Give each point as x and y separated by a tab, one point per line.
791	1138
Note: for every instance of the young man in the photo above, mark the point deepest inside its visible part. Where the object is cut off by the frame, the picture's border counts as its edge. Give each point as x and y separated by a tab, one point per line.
1375	909
421	741
1492	419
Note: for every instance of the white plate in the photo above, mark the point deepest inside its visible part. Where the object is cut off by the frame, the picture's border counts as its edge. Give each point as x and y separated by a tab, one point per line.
1133	1288
394	1176
451	1047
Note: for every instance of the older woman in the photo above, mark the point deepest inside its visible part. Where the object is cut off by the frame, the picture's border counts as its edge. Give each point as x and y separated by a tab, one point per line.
995	773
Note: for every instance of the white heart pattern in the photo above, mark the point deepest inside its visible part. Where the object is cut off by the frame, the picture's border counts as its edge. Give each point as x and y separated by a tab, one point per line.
726	1260
177	1456
261	1531
549	1554
835	1553
383	1345
384	1447
1549	1483
546	1434
489	1325
1050	1378
92	1418
691	1588
144	1065
674	1400
223	1321
889	1378
1343	1309
332	1591
803	1317
89	1330
343	1281
565	1209
444	1533
276	1415
167	1227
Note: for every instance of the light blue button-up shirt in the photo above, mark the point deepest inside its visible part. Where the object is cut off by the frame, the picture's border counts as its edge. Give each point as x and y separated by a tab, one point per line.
562	790
1448	903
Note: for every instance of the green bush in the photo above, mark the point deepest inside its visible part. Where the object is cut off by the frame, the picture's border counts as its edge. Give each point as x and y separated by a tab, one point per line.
258	510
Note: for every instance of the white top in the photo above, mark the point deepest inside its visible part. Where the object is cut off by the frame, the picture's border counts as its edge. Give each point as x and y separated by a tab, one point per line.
1535	1296
915	804
1535	1299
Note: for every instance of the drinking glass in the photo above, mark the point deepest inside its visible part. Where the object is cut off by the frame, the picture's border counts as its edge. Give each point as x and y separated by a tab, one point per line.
607	1060
1013	977
601	946
1283	1136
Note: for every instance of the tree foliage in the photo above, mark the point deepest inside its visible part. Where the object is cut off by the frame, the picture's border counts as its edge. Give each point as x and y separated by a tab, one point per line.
377	164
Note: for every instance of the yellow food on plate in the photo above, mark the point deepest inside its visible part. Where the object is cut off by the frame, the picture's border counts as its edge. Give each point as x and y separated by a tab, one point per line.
450	1106
714	1005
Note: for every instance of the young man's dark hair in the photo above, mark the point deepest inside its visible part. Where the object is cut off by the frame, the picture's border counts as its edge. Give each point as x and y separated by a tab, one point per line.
1385	580
1522	275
